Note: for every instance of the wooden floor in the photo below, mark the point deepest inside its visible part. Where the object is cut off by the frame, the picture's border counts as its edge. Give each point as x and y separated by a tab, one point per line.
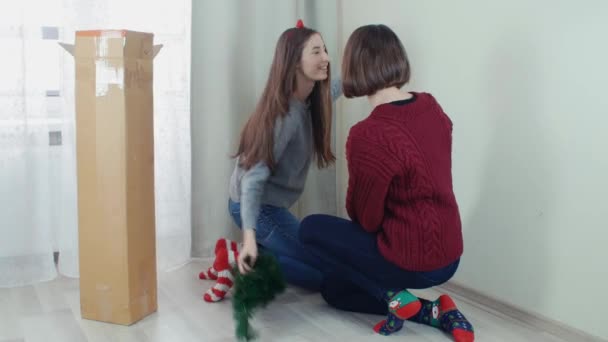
50	312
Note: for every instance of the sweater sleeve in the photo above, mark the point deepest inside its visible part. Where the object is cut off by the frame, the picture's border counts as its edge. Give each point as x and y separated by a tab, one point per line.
252	188
254	179
336	89
370	171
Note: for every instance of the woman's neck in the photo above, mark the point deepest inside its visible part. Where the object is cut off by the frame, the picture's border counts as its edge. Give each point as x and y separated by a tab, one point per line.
304	87
388	95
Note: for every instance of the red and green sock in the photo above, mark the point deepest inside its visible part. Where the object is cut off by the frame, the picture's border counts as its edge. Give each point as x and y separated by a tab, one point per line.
443	314
401	306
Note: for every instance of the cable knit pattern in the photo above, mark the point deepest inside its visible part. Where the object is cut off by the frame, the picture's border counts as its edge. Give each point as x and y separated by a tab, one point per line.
400	183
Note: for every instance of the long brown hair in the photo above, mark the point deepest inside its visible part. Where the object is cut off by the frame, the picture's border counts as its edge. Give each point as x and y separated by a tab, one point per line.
257	137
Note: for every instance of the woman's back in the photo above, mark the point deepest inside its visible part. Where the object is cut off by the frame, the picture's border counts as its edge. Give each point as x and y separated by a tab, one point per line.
405	148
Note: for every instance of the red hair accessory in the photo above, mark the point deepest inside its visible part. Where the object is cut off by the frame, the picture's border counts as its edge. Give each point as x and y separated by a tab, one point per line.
299	24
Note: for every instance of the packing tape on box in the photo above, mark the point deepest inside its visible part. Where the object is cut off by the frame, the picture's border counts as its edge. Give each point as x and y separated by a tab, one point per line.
105	75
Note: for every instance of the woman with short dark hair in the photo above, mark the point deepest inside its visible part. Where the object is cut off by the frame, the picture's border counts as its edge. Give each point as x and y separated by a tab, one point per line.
405	231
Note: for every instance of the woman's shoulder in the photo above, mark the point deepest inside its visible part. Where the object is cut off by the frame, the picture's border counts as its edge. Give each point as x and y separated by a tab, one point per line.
368	131
428	99
293	116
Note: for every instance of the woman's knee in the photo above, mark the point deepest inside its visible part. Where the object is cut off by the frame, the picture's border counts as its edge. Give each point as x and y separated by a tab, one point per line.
331	295
337	294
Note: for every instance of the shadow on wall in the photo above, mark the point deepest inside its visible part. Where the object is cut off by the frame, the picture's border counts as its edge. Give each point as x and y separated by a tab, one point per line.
508	231
222	97
320	195
241	67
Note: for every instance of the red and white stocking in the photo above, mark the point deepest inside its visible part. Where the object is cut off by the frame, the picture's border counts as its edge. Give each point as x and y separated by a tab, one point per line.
226	255
221	244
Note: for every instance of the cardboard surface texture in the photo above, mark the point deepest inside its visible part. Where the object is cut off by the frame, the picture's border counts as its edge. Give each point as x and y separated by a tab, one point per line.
115	162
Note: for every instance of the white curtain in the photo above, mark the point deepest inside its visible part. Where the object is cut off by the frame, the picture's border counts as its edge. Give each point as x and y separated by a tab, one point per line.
233	43
38	212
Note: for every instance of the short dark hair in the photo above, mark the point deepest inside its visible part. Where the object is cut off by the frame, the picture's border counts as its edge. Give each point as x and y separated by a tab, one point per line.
374	59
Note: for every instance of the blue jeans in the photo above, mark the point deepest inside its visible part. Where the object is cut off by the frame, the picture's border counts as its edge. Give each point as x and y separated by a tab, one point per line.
277	231
360	276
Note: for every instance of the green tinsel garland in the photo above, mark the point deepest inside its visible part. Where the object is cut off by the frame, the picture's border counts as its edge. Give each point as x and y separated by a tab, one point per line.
253	291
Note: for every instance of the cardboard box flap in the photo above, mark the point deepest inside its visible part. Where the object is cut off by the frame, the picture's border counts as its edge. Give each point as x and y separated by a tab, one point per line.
113	44
157	50
68	47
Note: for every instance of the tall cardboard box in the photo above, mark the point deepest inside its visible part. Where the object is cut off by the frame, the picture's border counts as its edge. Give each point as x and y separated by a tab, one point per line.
115	161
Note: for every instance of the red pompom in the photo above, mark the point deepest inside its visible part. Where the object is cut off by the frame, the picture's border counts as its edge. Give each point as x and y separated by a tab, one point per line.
300	23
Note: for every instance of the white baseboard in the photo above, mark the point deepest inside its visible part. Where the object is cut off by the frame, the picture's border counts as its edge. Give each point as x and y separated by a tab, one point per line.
533	320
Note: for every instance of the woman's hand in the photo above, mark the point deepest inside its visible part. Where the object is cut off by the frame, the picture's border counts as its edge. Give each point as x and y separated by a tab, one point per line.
249	252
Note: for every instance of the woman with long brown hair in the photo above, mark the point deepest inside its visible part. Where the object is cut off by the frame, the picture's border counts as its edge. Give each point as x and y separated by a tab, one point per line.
290	126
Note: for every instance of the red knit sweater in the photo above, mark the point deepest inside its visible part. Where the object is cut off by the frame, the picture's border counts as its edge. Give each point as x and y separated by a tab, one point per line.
400	183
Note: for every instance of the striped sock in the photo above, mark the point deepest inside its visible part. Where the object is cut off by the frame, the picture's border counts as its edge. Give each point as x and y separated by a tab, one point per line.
224	243
211	274
224	283
224	262
221	244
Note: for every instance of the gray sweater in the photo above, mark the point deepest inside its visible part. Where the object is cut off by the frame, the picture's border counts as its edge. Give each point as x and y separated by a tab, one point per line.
293	151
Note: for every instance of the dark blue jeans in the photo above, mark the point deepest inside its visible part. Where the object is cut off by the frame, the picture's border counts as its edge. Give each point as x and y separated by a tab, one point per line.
277	232
360	276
